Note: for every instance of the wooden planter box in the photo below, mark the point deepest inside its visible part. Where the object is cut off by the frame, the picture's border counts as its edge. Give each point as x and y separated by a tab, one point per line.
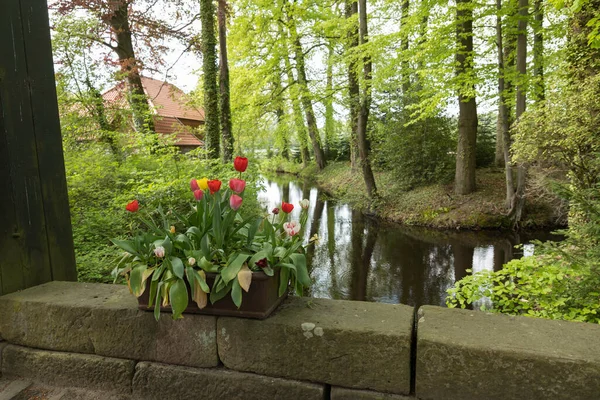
259	302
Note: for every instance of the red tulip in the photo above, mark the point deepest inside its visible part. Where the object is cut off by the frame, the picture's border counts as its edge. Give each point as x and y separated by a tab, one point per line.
132	206
198	194
287	207
214	185
237	185
240	164
194	185
235	201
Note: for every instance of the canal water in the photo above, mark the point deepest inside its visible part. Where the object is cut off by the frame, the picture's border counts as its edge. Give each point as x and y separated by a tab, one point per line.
359	258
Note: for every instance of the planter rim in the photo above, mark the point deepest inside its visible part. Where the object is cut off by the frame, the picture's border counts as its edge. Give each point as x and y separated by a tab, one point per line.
258	275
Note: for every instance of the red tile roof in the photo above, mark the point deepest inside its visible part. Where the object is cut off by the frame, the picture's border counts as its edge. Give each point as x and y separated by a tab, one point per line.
173	113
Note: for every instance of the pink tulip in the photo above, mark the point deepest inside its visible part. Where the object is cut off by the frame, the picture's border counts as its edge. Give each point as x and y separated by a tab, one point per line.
235	201
194	185
198	194
237	185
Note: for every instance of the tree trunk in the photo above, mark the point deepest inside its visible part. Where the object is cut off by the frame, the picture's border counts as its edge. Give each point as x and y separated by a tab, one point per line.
351	10
519	198
311	121
130	67
404	47
329	118
503	113
467	117
281	135
209	70
99	112
538	50
226	129
364	147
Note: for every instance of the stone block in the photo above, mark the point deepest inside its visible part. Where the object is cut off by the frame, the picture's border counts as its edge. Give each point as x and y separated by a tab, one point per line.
104	320
161	381
68	369
464	354
339	393
346	343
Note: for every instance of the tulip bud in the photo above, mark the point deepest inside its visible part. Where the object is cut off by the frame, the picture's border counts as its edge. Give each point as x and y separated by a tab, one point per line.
159	251
304	204
275	211
287	207
198	194
262	263
292	227
235	201
172	230
194	185
214	185
240	164
132	206
237	185
203	183
191	261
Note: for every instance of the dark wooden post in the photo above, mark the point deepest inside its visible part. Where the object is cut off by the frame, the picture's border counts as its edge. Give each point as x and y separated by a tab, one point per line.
36	240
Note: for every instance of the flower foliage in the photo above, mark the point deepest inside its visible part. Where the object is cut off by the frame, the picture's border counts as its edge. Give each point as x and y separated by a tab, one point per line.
171	258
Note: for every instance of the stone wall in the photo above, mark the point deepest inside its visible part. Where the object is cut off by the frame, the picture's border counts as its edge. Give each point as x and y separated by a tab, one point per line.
93	336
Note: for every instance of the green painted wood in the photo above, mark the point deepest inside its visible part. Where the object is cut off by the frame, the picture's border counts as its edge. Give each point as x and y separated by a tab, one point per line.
38	50
35	234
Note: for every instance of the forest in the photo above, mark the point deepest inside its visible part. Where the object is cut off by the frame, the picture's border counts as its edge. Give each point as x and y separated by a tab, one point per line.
387	98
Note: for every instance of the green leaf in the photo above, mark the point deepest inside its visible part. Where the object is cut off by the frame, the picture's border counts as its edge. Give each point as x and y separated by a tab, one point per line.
177	266
216	226
216	295
299	261
153	289
136	279
230	271
126	245
158	300
252	229
236	293
179	298
183	241
284	278
205	246
201	278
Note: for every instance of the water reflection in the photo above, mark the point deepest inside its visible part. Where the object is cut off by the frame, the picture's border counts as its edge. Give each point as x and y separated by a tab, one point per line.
359	258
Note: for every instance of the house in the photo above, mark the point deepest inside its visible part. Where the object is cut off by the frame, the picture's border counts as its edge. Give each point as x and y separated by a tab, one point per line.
172	113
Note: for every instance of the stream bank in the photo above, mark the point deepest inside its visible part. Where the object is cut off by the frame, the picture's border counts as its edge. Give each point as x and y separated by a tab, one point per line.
436	206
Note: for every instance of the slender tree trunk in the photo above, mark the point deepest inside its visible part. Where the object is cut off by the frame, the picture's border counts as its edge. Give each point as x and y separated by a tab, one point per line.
295	98
99	112
503	123
351	10
364	147
538	50
281	135
226	129
329	118
467	117
404	28
209	70
519	199
130	67
311	121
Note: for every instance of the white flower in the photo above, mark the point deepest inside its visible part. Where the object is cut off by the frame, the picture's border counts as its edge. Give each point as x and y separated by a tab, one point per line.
159	251
191	261
314	238
292	227
304	204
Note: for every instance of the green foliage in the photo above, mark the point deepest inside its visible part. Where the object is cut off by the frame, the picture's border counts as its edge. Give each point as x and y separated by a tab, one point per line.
486	141
419	153
552	285
100	187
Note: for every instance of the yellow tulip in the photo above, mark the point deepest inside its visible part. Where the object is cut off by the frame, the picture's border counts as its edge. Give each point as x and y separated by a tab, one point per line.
203	183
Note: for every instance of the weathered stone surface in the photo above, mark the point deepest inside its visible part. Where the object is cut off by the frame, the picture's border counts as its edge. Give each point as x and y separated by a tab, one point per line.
161	381
68	369
339	393
104	319
347	343
9	389
465	354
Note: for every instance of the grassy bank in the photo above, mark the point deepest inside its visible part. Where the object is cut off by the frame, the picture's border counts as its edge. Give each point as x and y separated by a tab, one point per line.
435	205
